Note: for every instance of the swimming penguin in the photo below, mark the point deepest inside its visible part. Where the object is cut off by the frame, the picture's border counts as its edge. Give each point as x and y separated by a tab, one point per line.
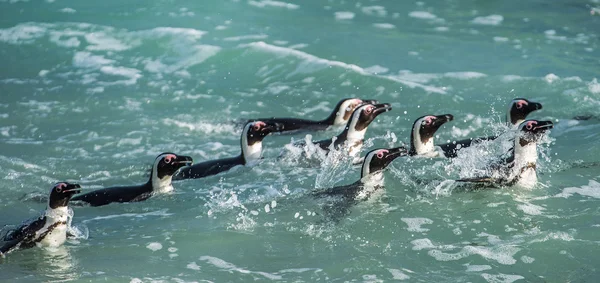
341	198
354	133
50	229
251	143
518	109
165	165
339	117
520	166
421	136
371	174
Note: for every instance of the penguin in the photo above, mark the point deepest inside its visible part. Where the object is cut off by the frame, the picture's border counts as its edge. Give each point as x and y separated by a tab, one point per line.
339	117
518	110
421	136
48	230
165	165
371	180
251	143
519	168
351	139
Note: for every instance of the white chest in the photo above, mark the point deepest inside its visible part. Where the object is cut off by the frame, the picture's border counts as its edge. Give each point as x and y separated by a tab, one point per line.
55	228
527	179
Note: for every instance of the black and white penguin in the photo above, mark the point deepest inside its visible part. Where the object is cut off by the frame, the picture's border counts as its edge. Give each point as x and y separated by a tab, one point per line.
339	117
423	131
337	201
518	109
520	166
165	165
50	229
371	177
351	139
251	143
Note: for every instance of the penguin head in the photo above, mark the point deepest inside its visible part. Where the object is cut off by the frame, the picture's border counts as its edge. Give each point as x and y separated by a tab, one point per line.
530	131
365	114
519	108
423	130
252	136
378	159
61	193
344	109
256	131
167	163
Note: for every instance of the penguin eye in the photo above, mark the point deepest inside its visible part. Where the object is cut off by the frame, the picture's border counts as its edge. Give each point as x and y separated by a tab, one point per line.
60	187
256	127
169	158
368	110
520	104
427	121
530	125
380	154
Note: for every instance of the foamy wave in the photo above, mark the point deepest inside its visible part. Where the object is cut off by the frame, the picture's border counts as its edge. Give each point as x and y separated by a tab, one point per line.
271	3
591	190
491	20
313	63
230	267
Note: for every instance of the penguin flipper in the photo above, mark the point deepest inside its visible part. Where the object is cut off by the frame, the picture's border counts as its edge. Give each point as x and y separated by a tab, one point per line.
13	238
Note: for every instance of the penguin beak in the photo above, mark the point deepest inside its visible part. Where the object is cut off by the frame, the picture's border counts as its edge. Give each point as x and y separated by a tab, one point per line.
184	160
74	188
442	119
534	106
381	108
396	152
543	126
273	127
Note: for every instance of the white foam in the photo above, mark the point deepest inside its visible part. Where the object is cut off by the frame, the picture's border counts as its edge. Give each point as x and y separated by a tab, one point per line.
343	15
246	37
551	78
500	39
424	15
317	63
414	224
132	74
527	259
23	33
478	268
193	34
464	75
374	11
591	190
154	246
270	3
193	266
384	25
491	20
104	42
85	59
594	86
531	209
398	274
376	69
68	10
501	254
442	29
219	263
501	278
420	244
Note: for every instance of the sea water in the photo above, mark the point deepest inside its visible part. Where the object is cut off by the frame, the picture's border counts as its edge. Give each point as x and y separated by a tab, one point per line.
92	91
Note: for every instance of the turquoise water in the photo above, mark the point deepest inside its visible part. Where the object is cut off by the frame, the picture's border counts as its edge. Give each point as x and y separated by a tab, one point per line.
91	92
